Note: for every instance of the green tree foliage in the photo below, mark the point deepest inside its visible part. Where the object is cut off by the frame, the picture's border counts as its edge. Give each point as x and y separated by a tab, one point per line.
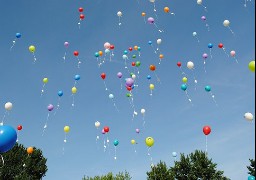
110	176
18	165
251	168
160	172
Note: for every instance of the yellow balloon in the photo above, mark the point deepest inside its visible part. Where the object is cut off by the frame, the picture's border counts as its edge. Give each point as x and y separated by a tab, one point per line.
66	129
45	80
74	90
184	79
133	141
149	141
32	48
151	86
252	66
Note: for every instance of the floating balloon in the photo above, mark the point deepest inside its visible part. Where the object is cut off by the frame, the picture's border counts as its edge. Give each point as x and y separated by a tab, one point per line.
251	66
97	124
226	23
233	54
153	68
184	80
81	16
208	89
210	46
167	10
8	106
207	130
149	141
103	76
174	154
8	137
60	94
76	53
151	20
143	14
151	87
195	35
184	88
158	41
30	150
133	141
206	24
45	81
119	14
161	56
19	127
200	2
66	44
251	178
221	46
66	129
248	116
129	82
137	131
116	142
17	35
205	56
150	43
32	49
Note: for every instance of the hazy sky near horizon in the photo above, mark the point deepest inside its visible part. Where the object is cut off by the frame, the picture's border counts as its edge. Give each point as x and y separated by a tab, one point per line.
171	120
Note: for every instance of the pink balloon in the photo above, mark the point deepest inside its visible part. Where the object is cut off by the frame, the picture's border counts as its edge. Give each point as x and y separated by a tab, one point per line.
103	132
137	131
107	45
232	53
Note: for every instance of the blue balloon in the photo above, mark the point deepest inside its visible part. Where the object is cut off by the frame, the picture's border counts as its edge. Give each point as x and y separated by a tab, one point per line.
207	88
18	35
251	178
96	54
60	93
116	142
210	45
149	42
148	77
125	52
174	154
77	77
8	137
184	87
139	48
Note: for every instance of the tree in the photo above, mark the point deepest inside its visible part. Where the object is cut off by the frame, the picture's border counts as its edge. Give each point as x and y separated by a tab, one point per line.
196	166
18	164
251	168
110	176
160	172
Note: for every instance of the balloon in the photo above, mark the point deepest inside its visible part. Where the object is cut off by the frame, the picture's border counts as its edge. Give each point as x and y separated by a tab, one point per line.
149	42
66	44
149	141
119	13
220	45
252	66
203	18
76	53
128	95
151	20
232	53
111	96
151	86
119	75
194	33
77	77
199	2
184	80
148	77
174	154
60	93
178	64
251	178
152	1
66	129
133	56
133	141
143	14
207	88
50	107
106	129
184	87
103	75
125	57
139	48
205	55
248	116
107	45
226	23
96	54
107	51
166	9
190	65
135	48
137	130
8	137
30	150
161	56
81	16
80	9
137	63
116	142
129	88
32	48
133	64
129	82
210	45
100	53
8	106
97	124
133	76
45	80
125	52
152	67
142	111
74	90
207	130
130	49
159	41
112	46
18	35
103	132
19	127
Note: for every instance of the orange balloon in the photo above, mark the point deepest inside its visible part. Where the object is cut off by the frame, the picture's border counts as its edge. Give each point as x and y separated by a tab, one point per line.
152	67
161	56
100	53
143	14
30	150
135	48
166	9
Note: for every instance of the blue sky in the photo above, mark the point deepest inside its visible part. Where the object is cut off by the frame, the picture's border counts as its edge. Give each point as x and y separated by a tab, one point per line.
170	119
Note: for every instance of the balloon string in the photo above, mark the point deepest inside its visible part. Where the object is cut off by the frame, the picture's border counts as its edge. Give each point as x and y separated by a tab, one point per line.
34	57
204	66
197	39
158	79
205	8
208	27
155	10
105	145
158	28
206	144
115	104
79	23
151	159
151	93
45	126
115	153
236	60
119	21
64	57
231	30
225	51
2	159
73	100
13	44
42	91
195	81
58	106
79	62
153	49
182	72
188	97
2	123
213	97
121	85
105	85
211	53
144	20
17	136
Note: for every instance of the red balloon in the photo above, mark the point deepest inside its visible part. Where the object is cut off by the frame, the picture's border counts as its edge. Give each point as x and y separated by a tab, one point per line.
152	67
112	46
178	64
128	88
81	16
133	64
76	53
207	130
106	129
220	45
130	48
19	127
80	9
103	75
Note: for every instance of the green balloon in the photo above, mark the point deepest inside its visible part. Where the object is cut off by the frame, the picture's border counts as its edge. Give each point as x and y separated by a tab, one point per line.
128	95
134	56
137	63
252	66
131	74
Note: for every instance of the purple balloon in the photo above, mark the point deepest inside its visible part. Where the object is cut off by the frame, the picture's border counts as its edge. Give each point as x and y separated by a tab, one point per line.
203	18
50	107
137	131
129	82
66	44
151	20
205	55
119	74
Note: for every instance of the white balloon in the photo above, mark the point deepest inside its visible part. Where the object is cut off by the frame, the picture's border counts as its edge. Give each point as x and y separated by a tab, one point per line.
142	111
190	65
119	13
97	124
158	41
194	33
107	51
248	116
226	23
133	76
125	57
152	1
199	1
8	106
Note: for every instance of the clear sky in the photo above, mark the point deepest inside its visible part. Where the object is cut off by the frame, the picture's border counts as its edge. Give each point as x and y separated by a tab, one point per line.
171	120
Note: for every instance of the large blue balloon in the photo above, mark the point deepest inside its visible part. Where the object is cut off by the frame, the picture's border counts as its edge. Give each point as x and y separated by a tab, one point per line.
251	178
8	137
